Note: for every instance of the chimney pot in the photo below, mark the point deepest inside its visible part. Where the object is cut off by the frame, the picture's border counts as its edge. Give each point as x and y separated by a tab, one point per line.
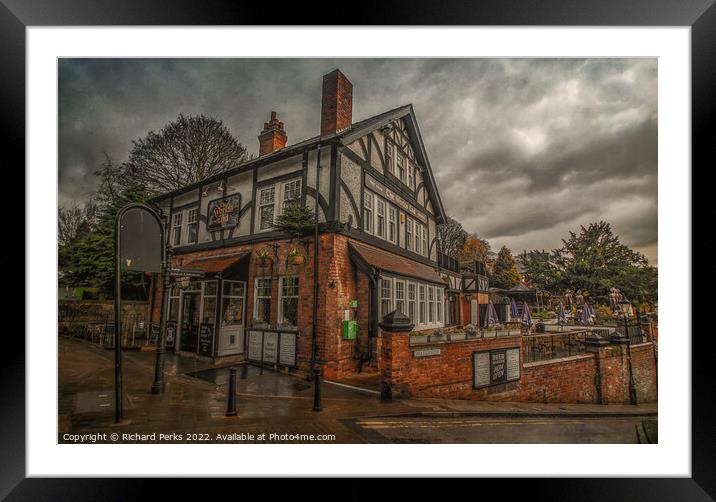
336	103
273	137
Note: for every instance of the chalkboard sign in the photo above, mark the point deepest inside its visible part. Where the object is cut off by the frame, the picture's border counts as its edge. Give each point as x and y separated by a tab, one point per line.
206	339
493	367
170	335
255	345
270	347
224	212
287	349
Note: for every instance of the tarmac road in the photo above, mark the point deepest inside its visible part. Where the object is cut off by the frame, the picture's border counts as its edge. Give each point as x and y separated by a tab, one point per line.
487	430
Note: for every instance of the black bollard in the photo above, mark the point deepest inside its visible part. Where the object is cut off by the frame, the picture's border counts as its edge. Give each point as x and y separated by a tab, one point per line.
317	389
231	401
244	371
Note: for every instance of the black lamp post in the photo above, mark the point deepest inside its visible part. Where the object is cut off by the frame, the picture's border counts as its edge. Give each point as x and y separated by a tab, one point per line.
625	307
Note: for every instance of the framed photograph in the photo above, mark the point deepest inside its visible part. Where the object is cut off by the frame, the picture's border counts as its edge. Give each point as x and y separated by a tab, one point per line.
470	235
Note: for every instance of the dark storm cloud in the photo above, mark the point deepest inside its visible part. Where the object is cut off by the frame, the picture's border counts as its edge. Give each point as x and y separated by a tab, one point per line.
523	150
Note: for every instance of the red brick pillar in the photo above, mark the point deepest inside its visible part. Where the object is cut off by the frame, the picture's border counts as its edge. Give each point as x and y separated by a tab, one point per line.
395	357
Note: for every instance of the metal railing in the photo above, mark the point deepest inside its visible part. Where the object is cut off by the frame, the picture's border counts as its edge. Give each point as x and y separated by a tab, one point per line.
635	333
99	328
553	346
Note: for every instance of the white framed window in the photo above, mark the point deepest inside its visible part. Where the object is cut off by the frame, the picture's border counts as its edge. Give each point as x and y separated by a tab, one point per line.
176	228
421	305
411	176
439	304
192	225
392	224
389	157
424	233
409	233
267	199
368	212
288	301
386	296
273	199
291	191
400	163
400	296
417	238
380	218
431	304
411	303
262	300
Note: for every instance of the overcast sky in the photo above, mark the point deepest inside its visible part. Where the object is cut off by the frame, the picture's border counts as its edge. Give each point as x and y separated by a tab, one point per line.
523	150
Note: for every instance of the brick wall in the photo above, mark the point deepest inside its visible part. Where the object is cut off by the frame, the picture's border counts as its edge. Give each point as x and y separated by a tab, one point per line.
566	380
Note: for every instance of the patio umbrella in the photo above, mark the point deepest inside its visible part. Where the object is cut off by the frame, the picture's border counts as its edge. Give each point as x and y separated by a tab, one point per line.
585	318
490	315
561	316
526	316
513	309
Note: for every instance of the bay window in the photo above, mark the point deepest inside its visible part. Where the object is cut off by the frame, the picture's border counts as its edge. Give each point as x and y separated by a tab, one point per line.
385	296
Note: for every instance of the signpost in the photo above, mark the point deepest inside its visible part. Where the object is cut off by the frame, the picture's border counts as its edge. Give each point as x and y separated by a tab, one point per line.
139	246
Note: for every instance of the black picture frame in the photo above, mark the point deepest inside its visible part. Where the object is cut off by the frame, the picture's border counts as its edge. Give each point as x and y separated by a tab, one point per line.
699	15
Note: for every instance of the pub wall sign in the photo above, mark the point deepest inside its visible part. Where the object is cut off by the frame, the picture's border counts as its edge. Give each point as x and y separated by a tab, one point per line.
224	212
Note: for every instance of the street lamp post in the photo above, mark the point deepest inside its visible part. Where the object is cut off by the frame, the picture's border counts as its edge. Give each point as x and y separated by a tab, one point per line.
625	306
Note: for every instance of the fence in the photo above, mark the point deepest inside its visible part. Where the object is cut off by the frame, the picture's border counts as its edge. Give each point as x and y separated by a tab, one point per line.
94	322
553	346
636	333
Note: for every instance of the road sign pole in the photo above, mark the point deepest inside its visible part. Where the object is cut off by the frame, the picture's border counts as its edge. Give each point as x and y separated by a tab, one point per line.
118	320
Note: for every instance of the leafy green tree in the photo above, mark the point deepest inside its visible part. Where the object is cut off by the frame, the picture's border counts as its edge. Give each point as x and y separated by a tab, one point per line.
91	257
539	270
505	273
595	260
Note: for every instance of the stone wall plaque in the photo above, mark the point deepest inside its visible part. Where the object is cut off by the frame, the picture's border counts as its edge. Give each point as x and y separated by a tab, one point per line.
513	364
287	349
426	352
270	347
255	345
481	369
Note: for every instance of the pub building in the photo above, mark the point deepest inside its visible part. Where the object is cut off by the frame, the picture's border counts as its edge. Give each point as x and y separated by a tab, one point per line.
378	208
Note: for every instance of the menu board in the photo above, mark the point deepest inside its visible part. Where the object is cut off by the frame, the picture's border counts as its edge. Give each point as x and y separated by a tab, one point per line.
493	367
206	339
270	347
170	334
287	349
255	345
482	369
513	364
498	370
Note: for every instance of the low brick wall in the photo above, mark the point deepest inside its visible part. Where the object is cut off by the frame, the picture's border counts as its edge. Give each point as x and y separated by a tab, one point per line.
445	370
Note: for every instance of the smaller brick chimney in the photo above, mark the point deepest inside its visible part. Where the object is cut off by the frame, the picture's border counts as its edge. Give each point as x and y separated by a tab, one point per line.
273	137
336	103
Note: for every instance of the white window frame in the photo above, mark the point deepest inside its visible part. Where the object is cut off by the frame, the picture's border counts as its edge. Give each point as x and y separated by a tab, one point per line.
431	304
386	299
192	219
389	157
400	166
368	213
399	299
392	224
424	244
177	219
281	297
422	305
439	304
280	191
411	176
409	232
380	217
257	297
412	290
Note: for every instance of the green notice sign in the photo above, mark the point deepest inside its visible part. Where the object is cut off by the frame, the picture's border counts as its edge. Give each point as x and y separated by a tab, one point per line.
350	330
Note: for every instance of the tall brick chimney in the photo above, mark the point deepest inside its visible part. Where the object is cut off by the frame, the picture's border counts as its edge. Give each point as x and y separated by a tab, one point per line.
273	137
336	103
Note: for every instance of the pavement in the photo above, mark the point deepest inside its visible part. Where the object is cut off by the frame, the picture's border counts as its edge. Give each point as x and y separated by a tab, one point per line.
276	407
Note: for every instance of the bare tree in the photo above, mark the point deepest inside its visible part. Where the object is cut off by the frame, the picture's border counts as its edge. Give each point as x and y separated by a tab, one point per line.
183	152
70	220
452	237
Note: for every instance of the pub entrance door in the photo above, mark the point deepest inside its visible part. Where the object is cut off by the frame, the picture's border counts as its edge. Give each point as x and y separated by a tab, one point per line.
189	332
233	319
